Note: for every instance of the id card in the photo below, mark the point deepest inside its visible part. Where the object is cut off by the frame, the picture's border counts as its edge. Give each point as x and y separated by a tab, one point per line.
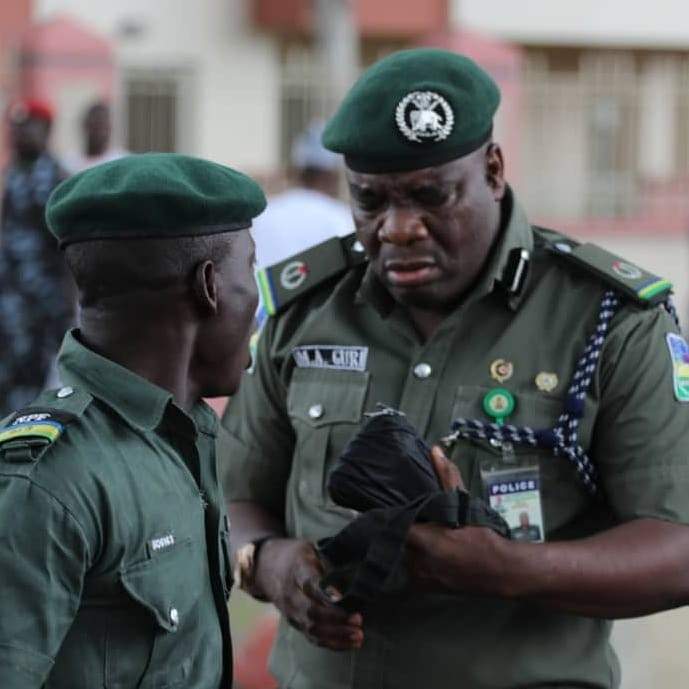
515	494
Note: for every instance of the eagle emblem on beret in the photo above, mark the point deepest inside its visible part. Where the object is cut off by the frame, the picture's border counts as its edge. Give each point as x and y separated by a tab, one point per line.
424	116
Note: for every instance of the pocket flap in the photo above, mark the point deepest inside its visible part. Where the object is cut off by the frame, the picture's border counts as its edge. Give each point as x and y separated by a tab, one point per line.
168	587
320	397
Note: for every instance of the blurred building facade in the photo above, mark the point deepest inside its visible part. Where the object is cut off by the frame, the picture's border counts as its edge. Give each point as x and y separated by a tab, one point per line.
595	116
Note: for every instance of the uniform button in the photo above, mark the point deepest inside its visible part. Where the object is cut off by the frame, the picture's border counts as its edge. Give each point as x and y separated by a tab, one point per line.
495	442
65	392
316	411
422	370
358	247
174	616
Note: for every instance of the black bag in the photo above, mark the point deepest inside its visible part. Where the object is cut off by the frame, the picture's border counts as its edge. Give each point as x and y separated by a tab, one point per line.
385	472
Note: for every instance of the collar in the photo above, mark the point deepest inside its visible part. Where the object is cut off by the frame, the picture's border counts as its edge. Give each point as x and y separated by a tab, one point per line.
139	402
516	235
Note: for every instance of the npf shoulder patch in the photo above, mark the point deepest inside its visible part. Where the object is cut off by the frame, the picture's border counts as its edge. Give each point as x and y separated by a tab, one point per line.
342	357
679	354
31	430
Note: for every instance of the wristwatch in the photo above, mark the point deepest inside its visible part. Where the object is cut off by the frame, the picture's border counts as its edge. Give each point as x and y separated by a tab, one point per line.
245	565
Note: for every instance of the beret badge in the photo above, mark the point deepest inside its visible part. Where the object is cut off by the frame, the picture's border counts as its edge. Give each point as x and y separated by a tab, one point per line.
424	116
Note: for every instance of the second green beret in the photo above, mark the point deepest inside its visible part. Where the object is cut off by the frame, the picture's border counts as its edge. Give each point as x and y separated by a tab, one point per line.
152	195
413	109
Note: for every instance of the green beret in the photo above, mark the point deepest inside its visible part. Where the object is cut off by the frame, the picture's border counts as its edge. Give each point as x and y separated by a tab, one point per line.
153	195
414	109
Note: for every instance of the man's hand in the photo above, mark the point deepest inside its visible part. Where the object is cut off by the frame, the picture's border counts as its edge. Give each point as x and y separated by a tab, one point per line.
288	573
448	474
443	559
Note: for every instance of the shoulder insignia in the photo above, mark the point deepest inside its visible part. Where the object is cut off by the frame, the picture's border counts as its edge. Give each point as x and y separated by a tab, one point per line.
27	433
284	282
640	285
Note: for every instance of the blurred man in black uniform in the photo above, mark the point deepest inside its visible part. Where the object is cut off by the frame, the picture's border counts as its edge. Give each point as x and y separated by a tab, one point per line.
35	300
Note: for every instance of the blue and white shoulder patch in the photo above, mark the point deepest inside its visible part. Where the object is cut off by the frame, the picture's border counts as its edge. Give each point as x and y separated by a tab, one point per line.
679	354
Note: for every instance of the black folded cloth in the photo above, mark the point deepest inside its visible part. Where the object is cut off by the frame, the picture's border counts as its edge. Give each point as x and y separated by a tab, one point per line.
385	472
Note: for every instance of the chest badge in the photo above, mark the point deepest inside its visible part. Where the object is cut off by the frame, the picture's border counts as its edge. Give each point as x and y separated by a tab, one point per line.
546	382
499	404
501	370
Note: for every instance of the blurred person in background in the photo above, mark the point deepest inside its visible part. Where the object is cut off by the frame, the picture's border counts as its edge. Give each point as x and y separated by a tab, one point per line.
96	127
36	302
310	212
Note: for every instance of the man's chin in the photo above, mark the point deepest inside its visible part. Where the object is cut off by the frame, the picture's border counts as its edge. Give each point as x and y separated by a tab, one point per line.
427	297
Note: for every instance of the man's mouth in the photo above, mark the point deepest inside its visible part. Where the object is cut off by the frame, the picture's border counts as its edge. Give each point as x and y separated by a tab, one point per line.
411	272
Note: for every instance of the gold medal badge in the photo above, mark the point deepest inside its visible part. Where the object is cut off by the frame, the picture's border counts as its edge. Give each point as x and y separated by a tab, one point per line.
501	370
546	382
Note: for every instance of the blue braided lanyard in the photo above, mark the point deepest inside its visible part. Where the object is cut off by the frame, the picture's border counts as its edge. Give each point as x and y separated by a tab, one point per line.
563	438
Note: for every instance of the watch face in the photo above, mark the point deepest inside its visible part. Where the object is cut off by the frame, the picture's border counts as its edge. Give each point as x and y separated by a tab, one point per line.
244	567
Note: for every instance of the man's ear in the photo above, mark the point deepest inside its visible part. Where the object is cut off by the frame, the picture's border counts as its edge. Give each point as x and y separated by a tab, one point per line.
206	288
495	170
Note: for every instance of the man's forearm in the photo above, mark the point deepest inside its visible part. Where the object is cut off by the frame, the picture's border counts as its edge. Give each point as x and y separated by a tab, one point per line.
635	569
251	521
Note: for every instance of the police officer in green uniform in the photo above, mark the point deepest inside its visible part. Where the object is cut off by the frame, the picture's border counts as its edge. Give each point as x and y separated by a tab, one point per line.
551	370
113	532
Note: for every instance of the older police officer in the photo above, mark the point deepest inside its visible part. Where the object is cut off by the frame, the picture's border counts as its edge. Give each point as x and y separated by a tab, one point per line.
113	531
556	366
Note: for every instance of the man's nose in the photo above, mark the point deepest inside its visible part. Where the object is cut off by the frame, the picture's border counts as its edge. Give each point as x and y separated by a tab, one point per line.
402	226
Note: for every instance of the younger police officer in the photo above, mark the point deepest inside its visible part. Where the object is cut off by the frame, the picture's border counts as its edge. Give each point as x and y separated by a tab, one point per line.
565	381
113	534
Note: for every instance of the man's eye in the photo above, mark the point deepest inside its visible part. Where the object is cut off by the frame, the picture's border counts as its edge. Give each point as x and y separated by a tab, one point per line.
367	200
430	196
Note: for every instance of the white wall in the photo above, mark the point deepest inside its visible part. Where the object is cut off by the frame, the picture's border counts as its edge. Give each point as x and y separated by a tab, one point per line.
658	23
234	95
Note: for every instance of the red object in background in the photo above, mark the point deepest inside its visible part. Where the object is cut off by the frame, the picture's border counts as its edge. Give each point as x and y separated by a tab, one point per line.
30	108
251	656
374	18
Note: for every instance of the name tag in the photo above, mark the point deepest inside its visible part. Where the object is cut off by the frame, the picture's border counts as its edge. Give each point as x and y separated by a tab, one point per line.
515	495
161	543
345	358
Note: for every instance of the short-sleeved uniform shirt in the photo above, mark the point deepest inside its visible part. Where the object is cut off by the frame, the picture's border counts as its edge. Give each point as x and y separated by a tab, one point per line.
113	539
308	392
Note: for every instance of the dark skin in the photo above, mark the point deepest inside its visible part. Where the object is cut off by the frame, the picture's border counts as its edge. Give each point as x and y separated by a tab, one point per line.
443	220
191	338
429	234
634	569
29	138
97	127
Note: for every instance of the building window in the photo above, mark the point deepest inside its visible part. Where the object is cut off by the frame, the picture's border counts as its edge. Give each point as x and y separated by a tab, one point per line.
156	110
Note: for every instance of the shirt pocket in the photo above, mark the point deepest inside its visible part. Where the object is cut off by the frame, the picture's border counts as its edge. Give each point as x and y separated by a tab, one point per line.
169	586
325	407
563	495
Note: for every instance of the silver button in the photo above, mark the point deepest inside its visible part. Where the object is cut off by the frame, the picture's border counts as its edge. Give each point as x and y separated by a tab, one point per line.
174	616
422	370
564	247
495	442
358	247
316	411
65	392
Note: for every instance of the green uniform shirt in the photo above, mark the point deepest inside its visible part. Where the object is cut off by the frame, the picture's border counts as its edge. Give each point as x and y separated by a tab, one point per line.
113	552
305	400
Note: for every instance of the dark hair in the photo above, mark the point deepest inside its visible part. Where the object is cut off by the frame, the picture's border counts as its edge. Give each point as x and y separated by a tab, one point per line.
107	268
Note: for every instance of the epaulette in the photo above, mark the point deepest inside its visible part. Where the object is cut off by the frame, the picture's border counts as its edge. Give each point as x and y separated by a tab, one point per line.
26	434
643	287
284	282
